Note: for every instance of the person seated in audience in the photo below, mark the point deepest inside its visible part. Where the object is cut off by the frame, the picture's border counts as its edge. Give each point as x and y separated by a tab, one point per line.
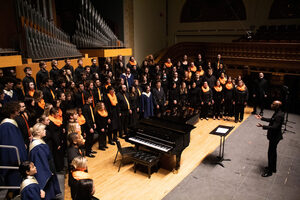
240	100
218	97
29	187
206	100
39	153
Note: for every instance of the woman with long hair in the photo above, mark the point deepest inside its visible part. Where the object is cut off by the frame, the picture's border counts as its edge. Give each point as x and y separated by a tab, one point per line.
102	121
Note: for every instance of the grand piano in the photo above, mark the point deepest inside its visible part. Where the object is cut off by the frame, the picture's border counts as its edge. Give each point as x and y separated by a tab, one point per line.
163	135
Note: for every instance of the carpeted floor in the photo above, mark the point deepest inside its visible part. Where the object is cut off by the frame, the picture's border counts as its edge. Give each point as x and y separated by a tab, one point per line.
241	177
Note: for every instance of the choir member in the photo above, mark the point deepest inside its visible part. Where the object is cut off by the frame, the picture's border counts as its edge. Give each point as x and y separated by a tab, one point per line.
27	79
94	67
23	124
90	91
68	66
210	78
240	100
29	187
183	95
41	75
125	110
217	63
54	72
147	103
260	93
134	100
228	99
194	97
218	97
128	78
198	80
185	62
48	91
39	104
199	61
174	98
31	89
206	100
79	70
168	64
40	154
119	66
98	91
102	122
56	141
79	96
131	62
89	116
159	98
10	134
9	93
112	106
19	90
222	79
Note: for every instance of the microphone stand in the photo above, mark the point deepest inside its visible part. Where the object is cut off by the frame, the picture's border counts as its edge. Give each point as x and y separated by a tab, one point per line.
286	112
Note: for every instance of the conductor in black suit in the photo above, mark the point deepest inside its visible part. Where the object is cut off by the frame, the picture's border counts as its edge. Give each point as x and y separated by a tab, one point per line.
274	135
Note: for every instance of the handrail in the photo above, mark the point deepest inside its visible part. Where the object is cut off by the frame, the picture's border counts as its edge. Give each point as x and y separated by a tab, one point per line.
11	167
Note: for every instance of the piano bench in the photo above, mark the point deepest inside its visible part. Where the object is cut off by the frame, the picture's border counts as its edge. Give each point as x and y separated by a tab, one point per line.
146	159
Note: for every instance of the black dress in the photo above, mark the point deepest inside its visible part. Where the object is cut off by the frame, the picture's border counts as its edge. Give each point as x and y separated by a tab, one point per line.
134	101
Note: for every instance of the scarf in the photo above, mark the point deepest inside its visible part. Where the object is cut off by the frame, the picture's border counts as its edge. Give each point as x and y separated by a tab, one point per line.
56	121
194	68
201	73
81	120
229	86
31	92
168	65
79	175
241	88
218	88
102	113
132	63
113	99
222	80
205	89
41	104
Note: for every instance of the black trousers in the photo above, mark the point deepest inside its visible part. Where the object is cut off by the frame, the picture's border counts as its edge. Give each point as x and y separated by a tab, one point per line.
272	155
239	111
217	109
89	141
102	138
204	110
260	102
228	108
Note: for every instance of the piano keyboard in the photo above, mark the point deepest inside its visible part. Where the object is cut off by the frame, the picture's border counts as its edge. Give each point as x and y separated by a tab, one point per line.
151	144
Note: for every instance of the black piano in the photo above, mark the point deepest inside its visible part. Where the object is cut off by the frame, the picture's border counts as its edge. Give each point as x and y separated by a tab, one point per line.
166	134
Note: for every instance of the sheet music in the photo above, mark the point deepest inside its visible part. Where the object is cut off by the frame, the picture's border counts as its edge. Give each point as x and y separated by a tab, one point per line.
222	130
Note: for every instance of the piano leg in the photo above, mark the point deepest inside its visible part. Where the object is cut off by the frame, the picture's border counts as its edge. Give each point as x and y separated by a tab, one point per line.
177	166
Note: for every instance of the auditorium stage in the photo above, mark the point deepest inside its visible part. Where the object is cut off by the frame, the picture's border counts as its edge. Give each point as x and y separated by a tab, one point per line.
110	184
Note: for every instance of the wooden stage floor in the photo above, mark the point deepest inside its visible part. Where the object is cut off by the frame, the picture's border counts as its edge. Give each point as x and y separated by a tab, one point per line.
111	185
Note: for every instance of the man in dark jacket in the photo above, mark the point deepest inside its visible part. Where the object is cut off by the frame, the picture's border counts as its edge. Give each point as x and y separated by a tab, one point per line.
274	135
259	93
41	75
125	110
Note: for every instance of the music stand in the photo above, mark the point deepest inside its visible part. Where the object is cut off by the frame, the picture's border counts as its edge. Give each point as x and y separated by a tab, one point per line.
222	131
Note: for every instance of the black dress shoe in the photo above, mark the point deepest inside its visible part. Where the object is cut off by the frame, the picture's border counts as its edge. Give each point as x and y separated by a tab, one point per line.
266	174
261	114
90	155
102	149
240	120
236	121
253	113
106	147
94	152
111	143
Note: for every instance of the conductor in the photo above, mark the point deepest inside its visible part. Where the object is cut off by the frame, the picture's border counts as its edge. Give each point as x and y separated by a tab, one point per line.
274	135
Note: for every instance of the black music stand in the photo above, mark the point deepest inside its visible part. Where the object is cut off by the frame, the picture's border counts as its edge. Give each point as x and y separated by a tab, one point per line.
222	131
